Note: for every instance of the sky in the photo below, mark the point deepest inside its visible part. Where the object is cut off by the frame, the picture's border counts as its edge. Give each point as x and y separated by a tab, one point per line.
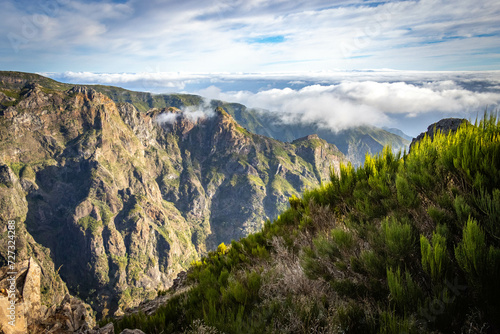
395	63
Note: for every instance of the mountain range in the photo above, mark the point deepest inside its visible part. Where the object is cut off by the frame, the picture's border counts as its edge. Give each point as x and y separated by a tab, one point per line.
114	192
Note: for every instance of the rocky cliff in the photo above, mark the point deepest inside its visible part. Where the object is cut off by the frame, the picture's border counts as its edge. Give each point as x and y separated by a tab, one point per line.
112	203
444	126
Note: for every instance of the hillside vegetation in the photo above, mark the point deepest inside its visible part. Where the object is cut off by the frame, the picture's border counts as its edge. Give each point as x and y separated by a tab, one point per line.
404	244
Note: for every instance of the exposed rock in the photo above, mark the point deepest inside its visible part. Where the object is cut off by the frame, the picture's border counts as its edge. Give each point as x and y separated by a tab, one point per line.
72	315
31	291
6	176
88	92
132	331
108	329
180	281
444	126
306	138
10	112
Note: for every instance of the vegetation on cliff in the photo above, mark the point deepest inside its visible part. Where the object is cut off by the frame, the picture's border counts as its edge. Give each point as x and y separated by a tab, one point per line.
404	244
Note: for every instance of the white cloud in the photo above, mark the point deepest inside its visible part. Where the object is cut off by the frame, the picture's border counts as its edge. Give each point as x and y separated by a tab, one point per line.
353	103
333	99
167	118
213	35
191	113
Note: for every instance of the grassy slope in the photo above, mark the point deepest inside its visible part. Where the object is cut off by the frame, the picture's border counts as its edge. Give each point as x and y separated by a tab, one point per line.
141	100
405	244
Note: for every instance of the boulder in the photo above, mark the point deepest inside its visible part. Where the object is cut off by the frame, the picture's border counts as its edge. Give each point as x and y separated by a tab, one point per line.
132	331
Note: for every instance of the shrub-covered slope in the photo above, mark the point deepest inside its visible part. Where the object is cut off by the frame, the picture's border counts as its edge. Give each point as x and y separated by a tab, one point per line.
405	244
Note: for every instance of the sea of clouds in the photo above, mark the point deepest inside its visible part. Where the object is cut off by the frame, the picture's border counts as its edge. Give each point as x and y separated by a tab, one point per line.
335	99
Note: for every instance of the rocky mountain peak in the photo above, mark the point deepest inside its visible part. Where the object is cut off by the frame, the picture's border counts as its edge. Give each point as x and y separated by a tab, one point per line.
89	92
444	126
306	138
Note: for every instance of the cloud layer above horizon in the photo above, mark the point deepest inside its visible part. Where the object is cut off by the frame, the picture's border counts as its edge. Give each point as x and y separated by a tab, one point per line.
352	103
248	35
409	100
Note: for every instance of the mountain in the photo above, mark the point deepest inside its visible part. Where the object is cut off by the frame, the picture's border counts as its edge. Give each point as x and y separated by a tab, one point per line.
443	126
399	133
404	244
111	203
355	142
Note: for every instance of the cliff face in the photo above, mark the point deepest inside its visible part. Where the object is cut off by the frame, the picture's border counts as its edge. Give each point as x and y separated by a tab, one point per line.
444	126
354	142
113	204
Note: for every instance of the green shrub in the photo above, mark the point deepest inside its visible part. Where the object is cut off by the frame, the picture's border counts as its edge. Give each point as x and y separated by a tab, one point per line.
390	323
471	253
434	257
462	209
404	292
406	195
479	262
372	263
343	239
398	238
90	223
489	205
352	319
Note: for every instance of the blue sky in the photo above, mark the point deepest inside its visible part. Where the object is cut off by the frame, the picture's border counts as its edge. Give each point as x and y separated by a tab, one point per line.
413	61
248	35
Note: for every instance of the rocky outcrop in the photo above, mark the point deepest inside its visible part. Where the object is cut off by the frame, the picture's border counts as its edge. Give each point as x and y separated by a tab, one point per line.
443	126
21	309
71	316
180	281
324	156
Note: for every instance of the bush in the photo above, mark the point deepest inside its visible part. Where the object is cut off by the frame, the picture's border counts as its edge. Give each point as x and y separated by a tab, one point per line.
434	257
406	195
404	292
480	263
472	253
398	239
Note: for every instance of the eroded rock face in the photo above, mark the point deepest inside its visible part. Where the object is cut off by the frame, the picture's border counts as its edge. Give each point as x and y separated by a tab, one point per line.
21	310
444	126
118	204
71	316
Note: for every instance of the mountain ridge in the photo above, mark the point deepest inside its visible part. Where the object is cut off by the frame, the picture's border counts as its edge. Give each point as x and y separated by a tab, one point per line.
120	203
353	142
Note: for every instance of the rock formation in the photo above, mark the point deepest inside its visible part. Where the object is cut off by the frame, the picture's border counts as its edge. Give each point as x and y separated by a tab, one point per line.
444	126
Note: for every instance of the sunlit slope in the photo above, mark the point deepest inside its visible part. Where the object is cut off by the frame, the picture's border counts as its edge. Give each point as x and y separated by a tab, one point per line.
405	244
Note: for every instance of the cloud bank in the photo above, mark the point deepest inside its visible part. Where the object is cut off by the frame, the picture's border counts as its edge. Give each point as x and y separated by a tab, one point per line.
333	99
353	103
